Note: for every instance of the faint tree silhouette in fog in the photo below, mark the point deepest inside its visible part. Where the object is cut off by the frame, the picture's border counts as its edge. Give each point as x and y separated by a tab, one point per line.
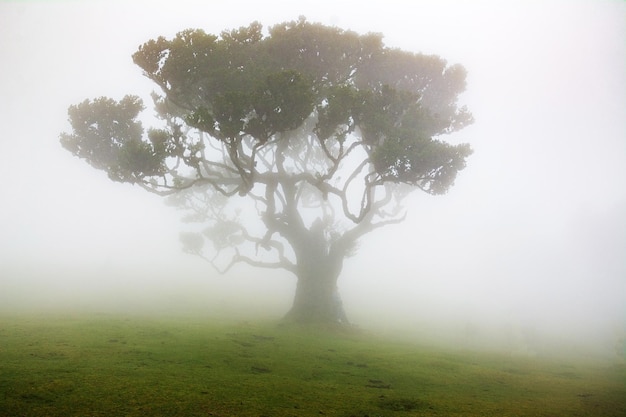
287	147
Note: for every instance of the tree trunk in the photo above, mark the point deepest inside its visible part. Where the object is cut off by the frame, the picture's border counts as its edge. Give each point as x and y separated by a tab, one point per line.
316	298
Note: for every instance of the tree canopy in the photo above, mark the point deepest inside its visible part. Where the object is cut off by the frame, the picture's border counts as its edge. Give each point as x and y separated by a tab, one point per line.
318	131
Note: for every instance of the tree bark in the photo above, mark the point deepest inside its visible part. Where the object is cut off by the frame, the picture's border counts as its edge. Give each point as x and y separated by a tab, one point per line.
315	299
318	269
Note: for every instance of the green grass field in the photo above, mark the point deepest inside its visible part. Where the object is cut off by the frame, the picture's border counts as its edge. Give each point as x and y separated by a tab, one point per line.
100	365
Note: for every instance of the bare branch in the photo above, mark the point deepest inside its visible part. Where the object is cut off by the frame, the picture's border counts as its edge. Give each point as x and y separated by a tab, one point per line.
281	264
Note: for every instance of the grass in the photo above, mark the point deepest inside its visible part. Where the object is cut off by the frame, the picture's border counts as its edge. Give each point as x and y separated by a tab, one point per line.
99	365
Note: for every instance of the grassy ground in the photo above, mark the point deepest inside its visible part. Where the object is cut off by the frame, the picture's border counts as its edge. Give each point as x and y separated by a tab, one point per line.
114	366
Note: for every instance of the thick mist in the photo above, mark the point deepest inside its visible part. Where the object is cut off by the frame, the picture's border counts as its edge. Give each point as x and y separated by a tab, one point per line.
525	254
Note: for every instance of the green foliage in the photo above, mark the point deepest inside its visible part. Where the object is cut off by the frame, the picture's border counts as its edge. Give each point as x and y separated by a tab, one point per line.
244	84
107	135
416	161
336	115
244	35
281	104
102	365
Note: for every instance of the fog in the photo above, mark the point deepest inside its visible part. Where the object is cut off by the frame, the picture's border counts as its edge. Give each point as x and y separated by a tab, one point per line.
525	252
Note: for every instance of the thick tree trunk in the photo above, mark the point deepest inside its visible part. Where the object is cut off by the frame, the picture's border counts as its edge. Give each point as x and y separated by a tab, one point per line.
316	298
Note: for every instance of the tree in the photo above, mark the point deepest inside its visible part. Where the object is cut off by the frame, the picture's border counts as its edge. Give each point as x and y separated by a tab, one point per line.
318	132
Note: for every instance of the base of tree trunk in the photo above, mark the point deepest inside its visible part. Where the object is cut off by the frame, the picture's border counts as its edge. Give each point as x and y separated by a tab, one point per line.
326	313
326	326
302	315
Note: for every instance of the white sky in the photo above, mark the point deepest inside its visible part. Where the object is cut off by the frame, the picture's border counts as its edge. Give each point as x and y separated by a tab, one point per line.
535	227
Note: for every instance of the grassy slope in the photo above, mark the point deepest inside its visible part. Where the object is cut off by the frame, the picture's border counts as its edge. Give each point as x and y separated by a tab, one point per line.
111	366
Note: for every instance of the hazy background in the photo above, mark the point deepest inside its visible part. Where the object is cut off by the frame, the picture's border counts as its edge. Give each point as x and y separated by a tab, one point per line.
530	241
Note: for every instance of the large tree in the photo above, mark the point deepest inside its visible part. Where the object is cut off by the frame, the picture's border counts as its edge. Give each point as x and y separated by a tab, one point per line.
287	146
